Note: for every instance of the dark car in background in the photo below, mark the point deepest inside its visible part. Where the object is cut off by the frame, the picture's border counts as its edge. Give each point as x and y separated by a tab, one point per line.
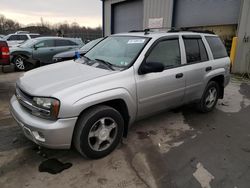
40	51
4	53
72	54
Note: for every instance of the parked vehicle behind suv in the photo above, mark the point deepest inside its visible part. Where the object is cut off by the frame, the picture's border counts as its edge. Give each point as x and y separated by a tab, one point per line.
4	53
40	51
92	102
17	38
72	54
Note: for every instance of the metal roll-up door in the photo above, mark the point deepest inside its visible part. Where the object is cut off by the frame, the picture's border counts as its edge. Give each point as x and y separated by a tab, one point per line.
192	13
127	16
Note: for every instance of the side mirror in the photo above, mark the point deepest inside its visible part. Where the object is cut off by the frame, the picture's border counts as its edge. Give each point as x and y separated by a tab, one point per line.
35	47
150	67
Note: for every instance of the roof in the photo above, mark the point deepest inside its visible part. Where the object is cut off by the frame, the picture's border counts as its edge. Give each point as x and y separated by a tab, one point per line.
52	37
161	34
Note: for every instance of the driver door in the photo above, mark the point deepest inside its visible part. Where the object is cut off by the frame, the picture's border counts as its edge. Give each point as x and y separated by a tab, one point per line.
162	90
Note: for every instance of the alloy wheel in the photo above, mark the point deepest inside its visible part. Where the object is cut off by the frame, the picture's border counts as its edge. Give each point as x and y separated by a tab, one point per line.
19	62
102	134
211	97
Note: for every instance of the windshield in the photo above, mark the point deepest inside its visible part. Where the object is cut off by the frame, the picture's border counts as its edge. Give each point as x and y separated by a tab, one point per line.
29	43
90	45
119	51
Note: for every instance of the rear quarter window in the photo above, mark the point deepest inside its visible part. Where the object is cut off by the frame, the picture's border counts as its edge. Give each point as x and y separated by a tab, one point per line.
217	47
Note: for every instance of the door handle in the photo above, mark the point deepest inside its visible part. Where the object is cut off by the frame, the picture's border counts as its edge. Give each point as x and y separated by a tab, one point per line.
179	75
208	69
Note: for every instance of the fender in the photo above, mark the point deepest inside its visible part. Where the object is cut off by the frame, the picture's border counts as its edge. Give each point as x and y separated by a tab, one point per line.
28	55
101	97
212	74
20	52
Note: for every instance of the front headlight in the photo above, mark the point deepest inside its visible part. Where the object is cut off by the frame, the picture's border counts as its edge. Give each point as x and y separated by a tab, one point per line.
46	107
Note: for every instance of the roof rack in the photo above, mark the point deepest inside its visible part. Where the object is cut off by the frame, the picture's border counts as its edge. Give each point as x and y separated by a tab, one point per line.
146	31
173	29
190	30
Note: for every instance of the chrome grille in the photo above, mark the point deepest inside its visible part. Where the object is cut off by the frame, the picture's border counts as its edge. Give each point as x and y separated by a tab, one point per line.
26	101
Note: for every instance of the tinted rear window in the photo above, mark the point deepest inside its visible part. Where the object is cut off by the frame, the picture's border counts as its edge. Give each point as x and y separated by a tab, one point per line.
217	47
195	50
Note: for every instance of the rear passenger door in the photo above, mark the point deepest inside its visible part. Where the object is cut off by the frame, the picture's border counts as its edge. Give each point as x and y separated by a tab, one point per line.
63	45
162	90
197	66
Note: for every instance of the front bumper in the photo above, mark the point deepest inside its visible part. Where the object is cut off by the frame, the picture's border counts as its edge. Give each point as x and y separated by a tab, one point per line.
51	134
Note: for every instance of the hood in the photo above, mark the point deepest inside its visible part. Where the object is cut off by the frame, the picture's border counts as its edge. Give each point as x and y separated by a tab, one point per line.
48	80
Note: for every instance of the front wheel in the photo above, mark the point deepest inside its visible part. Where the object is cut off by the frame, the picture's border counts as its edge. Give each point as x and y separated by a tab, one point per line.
98	131
209	98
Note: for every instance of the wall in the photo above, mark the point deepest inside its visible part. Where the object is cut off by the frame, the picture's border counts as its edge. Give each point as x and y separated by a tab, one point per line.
107	15
158	9
242	61
151	8
190	13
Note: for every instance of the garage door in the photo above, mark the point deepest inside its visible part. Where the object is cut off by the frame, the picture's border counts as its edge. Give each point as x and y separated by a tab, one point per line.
127	16
191	13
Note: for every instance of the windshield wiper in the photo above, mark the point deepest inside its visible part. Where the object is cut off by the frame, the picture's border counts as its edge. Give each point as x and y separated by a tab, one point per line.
110	65
86	58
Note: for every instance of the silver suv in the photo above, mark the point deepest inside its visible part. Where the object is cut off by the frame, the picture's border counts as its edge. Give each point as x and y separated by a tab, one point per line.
92	102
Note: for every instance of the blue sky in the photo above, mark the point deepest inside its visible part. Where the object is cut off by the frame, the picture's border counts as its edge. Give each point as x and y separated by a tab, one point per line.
84	12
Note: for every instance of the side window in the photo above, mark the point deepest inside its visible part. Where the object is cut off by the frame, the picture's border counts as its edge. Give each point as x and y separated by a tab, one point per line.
195	50
217	47
63	42
45	44
166	52
34	36
13	37
71	43
23	37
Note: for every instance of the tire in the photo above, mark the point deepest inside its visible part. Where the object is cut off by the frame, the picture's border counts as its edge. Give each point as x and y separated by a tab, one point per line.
98	132
209	98
21	64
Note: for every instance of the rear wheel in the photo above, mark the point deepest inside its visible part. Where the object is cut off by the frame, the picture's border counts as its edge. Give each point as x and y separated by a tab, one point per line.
98	131
19	63
209	98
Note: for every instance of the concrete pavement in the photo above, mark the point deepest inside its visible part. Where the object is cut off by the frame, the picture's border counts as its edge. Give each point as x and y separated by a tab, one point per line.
176	149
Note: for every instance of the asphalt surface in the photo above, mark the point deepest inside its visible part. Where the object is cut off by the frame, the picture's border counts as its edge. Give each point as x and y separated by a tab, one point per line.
177	149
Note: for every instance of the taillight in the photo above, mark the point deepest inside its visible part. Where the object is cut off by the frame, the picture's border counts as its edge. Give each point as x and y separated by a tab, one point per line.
5	52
